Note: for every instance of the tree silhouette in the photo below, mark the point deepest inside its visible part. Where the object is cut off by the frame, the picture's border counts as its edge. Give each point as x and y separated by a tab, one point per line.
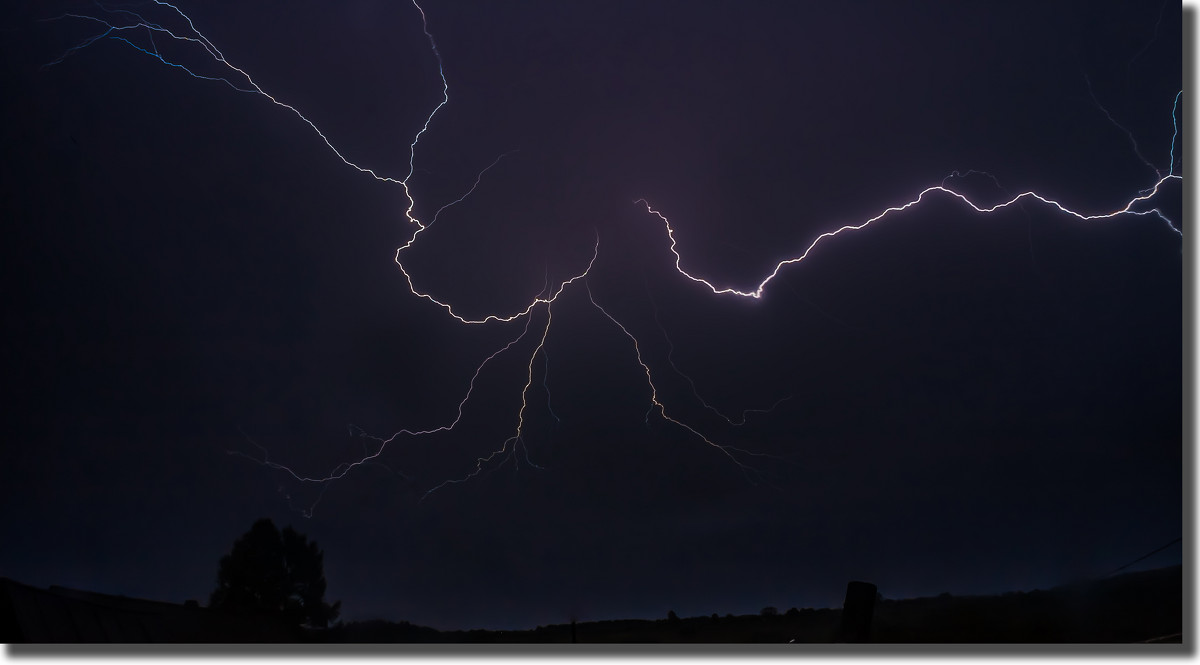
280	573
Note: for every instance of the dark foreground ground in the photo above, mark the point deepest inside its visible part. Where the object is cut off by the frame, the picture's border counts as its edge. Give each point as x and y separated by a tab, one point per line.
1136	607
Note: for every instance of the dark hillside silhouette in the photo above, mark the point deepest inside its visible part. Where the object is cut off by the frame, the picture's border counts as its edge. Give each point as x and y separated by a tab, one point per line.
1144	606
1133	607
58	615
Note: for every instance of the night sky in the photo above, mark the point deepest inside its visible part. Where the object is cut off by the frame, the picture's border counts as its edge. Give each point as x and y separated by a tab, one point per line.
976	403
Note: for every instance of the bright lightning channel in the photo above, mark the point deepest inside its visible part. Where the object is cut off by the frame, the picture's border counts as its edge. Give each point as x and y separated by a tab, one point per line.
111	31
249	85
135	22
516	439
942	188
757	291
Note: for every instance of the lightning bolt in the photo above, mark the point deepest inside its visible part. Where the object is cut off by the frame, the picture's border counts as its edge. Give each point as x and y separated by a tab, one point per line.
1137	150
249	85
729	451
935	190
124	25
240	80
696	391
1175	126
341	470
504	452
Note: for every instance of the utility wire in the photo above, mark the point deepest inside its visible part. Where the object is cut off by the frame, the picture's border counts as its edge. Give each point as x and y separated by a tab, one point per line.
1145	556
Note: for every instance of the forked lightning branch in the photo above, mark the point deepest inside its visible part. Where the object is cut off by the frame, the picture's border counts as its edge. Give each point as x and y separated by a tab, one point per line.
147	34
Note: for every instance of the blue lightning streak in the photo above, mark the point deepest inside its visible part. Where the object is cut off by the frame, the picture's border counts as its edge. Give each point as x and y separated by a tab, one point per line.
151	28
82	45
150	36
216	55
1175	126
